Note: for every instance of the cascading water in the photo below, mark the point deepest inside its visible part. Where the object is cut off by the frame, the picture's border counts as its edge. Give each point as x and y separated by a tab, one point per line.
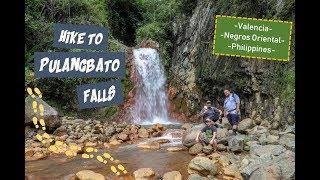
151	98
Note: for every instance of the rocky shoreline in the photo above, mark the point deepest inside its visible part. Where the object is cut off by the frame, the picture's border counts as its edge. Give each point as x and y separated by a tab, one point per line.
87	133
258	151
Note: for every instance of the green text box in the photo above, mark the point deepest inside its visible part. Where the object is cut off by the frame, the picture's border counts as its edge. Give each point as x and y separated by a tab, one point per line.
252	38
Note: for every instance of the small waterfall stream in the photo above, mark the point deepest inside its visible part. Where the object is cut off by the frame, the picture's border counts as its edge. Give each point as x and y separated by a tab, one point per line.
151	98
150	108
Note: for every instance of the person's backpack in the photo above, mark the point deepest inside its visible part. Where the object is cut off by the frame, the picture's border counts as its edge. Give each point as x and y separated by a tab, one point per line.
233	96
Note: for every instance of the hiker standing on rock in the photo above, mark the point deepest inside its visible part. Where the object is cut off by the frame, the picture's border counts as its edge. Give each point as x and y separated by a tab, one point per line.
210	112
232	108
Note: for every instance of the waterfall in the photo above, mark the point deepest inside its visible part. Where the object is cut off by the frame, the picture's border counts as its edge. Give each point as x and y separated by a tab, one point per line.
151	97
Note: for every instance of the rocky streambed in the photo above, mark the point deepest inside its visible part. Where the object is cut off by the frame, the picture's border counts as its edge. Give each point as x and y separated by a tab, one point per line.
256	152
158	147
167	152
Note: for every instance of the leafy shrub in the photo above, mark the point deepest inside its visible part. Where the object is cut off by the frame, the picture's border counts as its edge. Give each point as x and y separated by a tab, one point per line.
39	18
123	19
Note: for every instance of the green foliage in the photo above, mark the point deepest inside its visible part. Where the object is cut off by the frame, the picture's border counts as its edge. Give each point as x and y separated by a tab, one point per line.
158	16
159	10
28	74
39	18
41	14
246	8
186	6
115	46
106	112
282	81
153	30
156	31
131	21
123	19
288	85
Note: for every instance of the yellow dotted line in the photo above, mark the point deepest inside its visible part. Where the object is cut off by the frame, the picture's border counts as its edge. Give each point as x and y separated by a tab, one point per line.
254	57
62	147
289	50
264	58
215	31
272	20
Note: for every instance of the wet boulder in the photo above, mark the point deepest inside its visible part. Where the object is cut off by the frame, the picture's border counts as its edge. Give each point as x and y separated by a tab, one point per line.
173	175
144	173
202	166
245	124
190	135
236	143
196	149
50	115
89	175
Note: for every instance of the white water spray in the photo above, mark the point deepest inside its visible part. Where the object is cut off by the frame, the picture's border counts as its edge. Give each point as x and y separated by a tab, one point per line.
151	98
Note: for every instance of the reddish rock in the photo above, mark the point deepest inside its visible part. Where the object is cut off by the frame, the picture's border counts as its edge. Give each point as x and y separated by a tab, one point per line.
60	131
149	43
143	133
133	136
150	145
157	127
157	134
123	137
172	91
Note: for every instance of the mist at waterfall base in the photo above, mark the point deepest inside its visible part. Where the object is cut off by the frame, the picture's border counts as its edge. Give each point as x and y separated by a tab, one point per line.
151	97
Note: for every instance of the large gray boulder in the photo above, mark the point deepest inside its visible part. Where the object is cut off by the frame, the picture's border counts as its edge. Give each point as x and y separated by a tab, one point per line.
266	150
50	115
196	149
272	139
289	129
225	123
263	139
202	166
269	166
245	124
286	161
272	172
255	164
222	136
207	149
236	143
189	136
257	130
288	140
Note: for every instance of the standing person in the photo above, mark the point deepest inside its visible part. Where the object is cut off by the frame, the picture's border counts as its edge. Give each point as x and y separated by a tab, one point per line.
210	112
232	108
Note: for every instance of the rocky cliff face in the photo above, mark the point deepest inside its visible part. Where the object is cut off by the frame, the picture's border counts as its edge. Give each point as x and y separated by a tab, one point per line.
197	75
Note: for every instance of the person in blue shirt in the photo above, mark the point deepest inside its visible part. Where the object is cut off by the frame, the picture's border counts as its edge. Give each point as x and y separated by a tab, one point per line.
231	108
